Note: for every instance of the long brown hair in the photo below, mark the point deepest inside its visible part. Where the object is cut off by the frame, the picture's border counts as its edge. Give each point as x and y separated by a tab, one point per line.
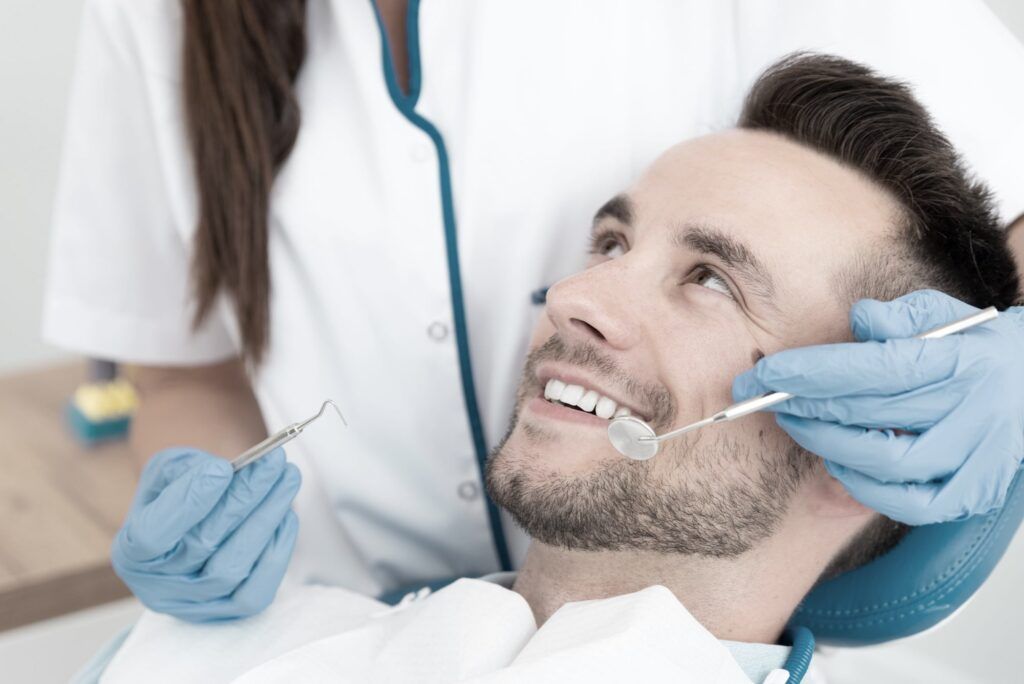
241	59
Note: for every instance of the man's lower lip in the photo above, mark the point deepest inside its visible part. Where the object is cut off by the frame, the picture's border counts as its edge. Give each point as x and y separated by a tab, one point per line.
547	409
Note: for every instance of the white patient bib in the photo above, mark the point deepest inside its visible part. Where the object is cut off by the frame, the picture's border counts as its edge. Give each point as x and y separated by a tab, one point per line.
470	631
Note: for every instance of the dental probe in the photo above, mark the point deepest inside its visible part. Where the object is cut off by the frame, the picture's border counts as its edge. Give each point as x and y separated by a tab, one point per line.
282	436
635	439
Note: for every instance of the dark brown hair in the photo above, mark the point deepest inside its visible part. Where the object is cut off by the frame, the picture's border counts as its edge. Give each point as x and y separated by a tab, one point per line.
241	59
949	239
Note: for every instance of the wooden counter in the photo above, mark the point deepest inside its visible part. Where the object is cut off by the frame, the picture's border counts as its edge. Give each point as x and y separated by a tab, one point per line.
60	503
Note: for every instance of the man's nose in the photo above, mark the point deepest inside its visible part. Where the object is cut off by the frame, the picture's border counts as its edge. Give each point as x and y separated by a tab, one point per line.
596	307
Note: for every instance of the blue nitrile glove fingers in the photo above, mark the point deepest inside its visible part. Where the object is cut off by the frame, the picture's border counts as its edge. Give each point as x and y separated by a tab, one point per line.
199	513
256	592
871	452
904	384
977	488
885	455
239	552
176	491
231	562
249	488
960	393
907	316
175	550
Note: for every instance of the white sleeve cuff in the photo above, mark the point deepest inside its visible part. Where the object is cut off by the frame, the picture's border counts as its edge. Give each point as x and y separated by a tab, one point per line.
127	339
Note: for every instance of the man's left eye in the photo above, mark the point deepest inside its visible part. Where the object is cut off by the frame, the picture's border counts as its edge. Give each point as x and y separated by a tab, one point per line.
705	277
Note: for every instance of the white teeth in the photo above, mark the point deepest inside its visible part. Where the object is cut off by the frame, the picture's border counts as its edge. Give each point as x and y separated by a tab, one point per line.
584	399
588	401
571	395
605	408
553	390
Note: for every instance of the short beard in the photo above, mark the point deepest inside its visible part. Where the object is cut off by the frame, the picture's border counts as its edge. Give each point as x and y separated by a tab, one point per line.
623	506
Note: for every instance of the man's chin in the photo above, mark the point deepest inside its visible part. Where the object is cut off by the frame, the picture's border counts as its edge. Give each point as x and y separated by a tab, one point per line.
557	493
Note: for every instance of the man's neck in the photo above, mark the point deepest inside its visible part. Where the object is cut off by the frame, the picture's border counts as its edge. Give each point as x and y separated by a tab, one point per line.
748	598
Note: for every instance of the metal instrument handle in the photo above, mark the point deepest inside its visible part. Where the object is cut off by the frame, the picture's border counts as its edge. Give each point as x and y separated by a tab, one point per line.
282	436
266	446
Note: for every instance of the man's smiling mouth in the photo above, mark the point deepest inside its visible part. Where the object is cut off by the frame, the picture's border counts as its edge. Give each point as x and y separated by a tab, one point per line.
583	399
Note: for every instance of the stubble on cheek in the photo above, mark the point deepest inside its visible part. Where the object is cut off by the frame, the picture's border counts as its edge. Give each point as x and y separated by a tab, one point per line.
534	434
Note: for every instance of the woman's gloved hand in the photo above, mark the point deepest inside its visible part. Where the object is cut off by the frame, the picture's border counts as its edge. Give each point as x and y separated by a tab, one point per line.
922	431
203	543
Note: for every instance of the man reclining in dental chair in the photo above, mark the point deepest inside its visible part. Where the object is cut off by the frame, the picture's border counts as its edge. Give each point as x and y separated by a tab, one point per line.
688	567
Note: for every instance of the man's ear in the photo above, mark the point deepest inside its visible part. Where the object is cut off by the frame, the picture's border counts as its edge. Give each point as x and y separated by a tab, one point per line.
1015	235
827	498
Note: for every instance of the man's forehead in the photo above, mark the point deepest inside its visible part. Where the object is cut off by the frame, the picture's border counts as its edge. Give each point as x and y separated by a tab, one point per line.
782	199
760	172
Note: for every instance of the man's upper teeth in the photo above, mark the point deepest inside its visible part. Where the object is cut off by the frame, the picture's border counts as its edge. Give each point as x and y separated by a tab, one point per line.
589	400
585	399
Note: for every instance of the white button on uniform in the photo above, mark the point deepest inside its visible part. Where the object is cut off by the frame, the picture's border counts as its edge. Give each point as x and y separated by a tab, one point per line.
437	331
420	152
469	490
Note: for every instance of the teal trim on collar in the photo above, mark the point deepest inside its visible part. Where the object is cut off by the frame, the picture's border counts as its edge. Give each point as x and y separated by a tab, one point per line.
406	104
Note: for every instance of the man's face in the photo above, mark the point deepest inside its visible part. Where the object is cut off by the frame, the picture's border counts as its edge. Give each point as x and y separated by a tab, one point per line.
727	248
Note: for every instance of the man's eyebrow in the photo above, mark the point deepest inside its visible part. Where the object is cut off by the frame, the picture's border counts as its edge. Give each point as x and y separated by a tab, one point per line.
733	253
619	207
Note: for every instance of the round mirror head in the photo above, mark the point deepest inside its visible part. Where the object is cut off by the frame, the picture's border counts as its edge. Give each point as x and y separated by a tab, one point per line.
625	434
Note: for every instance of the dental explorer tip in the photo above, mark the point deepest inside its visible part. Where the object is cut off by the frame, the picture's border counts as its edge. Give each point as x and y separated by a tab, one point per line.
336	410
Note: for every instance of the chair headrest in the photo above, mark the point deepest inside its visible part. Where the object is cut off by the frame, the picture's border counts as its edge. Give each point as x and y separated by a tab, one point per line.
930	573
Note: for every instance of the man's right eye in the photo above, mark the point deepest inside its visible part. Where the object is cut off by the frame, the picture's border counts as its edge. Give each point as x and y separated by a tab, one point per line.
607	244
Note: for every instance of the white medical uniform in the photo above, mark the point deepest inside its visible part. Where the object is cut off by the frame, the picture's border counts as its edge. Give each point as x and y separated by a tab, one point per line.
545	110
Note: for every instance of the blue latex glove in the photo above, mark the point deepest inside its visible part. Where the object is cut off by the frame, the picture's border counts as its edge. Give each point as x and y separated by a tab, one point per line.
962	396
201	543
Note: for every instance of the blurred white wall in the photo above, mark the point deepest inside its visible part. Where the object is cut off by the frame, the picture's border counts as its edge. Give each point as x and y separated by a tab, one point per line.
1012	14
37	42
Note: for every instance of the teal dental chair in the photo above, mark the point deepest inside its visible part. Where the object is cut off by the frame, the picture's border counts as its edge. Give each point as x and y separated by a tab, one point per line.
923	580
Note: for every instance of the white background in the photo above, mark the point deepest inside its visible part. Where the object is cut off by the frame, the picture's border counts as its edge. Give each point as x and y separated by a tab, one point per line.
37	43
